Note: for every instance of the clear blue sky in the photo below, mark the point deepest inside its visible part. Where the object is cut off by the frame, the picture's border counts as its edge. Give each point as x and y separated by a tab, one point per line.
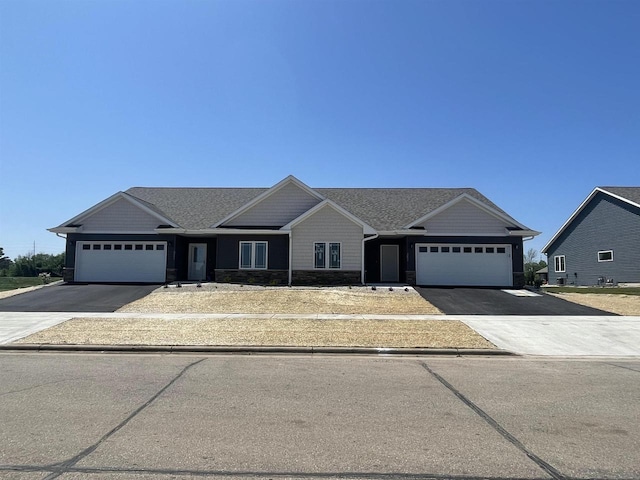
534	103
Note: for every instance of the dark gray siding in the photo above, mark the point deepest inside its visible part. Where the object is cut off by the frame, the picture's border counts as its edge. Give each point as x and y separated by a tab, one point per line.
228	255
606	223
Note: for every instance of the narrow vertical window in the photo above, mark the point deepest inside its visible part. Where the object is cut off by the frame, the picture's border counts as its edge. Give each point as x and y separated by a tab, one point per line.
260	255
559	262
245	254
334	255
319	255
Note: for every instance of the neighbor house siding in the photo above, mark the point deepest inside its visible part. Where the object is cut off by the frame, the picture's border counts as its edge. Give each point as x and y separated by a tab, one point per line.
120	216
464	218
276	210
327	225
605	223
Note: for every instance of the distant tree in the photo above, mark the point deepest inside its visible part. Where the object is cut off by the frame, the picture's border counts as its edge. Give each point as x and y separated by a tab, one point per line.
5	263
33	265
532	265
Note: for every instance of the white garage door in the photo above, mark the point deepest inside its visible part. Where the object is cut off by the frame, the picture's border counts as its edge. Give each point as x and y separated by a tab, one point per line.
121	262
472	265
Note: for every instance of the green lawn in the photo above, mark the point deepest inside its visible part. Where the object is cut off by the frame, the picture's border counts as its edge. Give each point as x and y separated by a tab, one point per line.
613	290
11	283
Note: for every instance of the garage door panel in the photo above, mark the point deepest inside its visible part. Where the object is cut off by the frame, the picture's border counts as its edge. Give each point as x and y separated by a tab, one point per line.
464	265
121	262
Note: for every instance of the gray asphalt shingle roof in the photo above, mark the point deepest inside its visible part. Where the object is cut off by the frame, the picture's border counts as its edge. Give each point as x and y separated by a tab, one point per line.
381	208
630	193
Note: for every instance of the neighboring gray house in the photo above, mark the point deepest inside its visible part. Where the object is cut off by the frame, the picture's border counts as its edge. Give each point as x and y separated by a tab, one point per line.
293	234
599	243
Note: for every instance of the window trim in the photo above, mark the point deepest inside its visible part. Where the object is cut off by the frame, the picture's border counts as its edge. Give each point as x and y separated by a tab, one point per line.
559	261
606	260
327	255
253	244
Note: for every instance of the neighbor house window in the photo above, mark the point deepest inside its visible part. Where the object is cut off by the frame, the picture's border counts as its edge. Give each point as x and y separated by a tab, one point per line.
327	255
559	263
605	256
253	255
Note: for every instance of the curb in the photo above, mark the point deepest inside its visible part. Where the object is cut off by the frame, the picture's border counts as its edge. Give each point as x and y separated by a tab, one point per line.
207	349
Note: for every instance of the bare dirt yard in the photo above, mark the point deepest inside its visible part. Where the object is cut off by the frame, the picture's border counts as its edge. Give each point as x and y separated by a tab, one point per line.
615	303
224	298
263	332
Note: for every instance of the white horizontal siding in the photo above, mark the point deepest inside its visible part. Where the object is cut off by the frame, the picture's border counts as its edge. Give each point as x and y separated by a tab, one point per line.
276	210
120	216
326	225
464	218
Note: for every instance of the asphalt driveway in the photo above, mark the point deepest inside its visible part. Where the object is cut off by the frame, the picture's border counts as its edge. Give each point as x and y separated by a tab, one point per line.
487	301
75	298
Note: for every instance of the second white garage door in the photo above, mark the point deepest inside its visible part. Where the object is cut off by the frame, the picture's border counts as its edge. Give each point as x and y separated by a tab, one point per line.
464	265
121	262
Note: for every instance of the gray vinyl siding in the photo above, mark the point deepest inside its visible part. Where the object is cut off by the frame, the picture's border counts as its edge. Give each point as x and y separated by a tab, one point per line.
120	216
228	254
327	225
605	223
464	218
277	209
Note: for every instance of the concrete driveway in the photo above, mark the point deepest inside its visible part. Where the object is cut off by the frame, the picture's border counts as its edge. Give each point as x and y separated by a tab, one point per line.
599	336
488	301
76	298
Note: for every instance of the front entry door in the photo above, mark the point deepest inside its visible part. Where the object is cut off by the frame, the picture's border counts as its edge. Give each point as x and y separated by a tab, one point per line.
197	261
389	263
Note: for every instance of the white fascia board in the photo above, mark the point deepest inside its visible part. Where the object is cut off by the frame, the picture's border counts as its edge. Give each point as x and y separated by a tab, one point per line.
112	199
217	231
524	233
402	233
572	217
622	199
465	196
268	193
367	230
65	229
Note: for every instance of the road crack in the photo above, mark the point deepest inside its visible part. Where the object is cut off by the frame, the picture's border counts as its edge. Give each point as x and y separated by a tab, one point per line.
496	426
65	466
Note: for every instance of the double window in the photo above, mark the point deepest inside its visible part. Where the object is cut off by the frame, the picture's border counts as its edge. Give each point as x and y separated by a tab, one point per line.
559	263
327	255
253	255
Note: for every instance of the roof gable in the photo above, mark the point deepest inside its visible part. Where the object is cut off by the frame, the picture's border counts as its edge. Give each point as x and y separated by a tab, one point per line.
630	195
466	215
275	207
119	213
329	204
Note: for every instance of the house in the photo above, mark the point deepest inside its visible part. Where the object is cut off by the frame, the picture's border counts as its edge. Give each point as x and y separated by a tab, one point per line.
293	234
600	242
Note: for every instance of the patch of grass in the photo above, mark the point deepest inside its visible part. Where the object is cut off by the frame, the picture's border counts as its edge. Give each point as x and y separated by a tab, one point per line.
11	283
598	290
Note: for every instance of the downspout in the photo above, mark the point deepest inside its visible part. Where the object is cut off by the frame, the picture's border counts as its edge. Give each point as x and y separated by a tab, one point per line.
365	239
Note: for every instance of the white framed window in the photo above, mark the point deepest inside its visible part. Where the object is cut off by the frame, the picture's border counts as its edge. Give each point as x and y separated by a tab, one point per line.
327	255
605	256
253	255
559	263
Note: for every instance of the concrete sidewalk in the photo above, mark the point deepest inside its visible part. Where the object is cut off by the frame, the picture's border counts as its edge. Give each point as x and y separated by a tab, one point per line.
614	336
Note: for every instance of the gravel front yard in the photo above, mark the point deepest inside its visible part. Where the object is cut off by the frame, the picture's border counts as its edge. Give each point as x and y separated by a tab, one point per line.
615	303
263	332
224	298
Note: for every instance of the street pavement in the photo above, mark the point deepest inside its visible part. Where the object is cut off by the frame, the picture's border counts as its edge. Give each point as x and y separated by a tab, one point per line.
551	336
73	416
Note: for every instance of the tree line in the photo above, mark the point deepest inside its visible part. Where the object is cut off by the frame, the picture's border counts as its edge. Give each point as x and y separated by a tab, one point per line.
31	265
